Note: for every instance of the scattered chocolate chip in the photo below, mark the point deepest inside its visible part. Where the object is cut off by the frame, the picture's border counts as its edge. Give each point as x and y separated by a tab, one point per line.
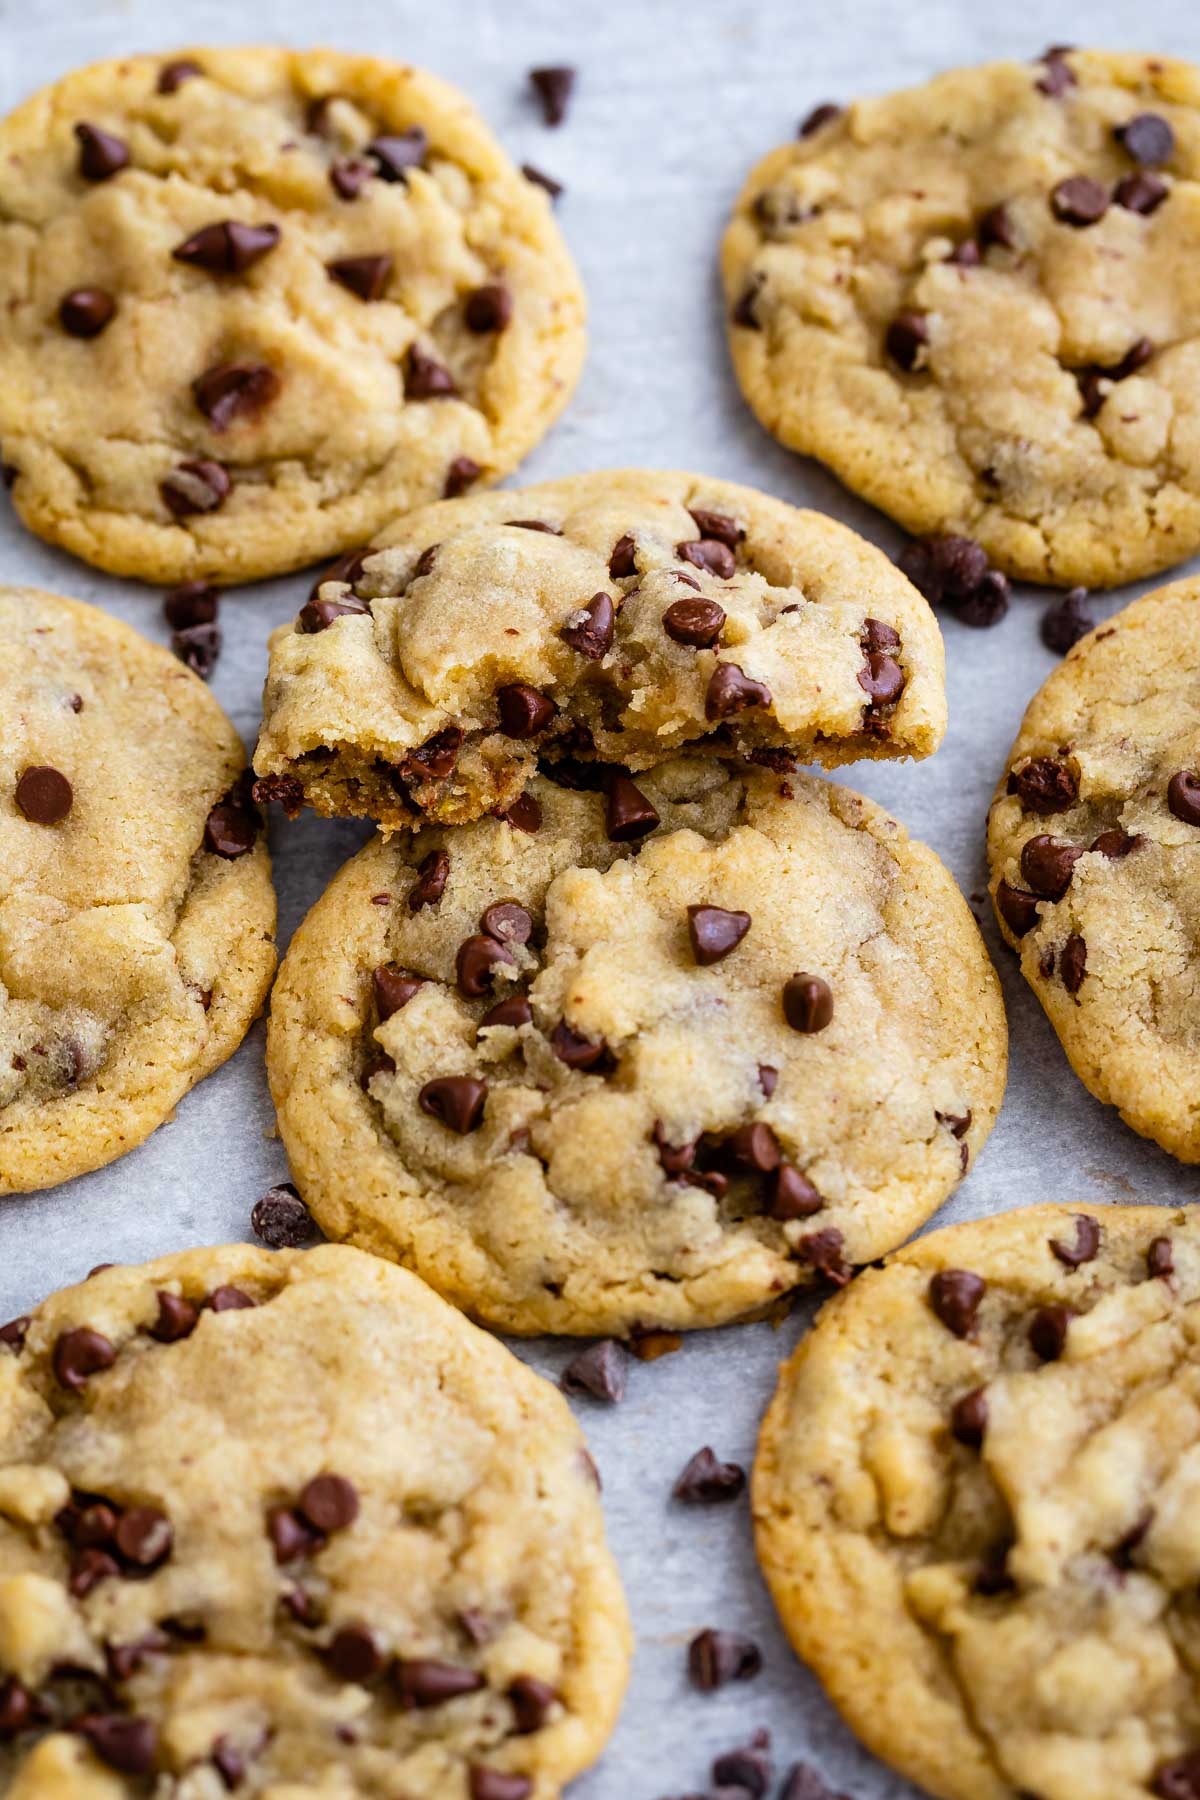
628	814
1047	865
475	964
744	1773
487	309
791	1195
515	1011
195	603
79	1354
600	1371
824	114
127	1744
709	554
1147	138
731	691
425	1683
590	629
84	312
227	1298
234	390
1140	193
969	1418
532	1700
397	153
12	1335
576	1051
172	75
955	1296
1086	1245
354	1655
195	486
1048	1331
233	824
144	1537
715	932
100	154
696	622
1160	1259
705	1480
1073	963
539	179
906	339
1179	1778
1045	785
718	1657
45	796
364	276
553	88
463	472
1079	201
227	247
524	814
804	1783
430	883
198	648
523	711
494	1784
176	1319
425	378
281	1219
1018	909
456	1101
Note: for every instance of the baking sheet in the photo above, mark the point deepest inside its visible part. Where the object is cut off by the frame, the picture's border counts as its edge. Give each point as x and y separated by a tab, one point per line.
675	101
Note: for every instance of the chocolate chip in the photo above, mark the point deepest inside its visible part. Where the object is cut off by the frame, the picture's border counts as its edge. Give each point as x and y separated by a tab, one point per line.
696	622
1116	843
705	1480
824	1252
791	1195
198	648
1057	74
88	1569
291	1536
553	88
987	605
882	679
996	228
234	390
628	814
804	1783
172	75
127	1744
534	525
1048	1331
1086	1245
710	554
329	1503
718	1657
425	378
515	1011
463	472
456	1101
79	1354
731	691
906	339
768	1079
714	932
1072	964
1079	200
475	964
349	175
1183	796
1018	909
227	1298
600	1371
364	276
508	922
195	486
12	1335
144	1537
354	1655
1045	785
755	1146
18	1709
494	1784
745	311
1179	1778
539	179
821	115
590	629
233	824
319	614
807	1002
532	1700
744	1773
392	989
488	308
525	813
1148	138
227	247
398	152
425	1683
955	1296
969	1418
966	254
195	603
576	1051
100	154
281	1219
524	712
177	1318
1160	1258
992	1577
84	312
1048	864
1140	193
45	796
718	526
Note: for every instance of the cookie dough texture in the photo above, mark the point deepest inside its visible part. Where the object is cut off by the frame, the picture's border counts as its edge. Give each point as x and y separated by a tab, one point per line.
596	1184
1017	1618
1012	415
397	711
132	958
339	431
1096	807
460	1553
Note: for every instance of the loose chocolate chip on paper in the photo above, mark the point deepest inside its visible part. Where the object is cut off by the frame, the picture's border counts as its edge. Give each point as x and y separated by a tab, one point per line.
84	312
600	1371
718	1657
805	1783
1086	1245
456	1101
227	247
195	486
955	1296
281	1219
366	277
44	795
195	603
628	814
715	931
705	1480
745	1773
553	87
101	155
198	647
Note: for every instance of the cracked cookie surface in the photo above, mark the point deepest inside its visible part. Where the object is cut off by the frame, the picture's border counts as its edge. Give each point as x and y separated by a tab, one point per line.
615	616
976	301
584	1082
975	1505
288	1524
256	302
136	908
1094	847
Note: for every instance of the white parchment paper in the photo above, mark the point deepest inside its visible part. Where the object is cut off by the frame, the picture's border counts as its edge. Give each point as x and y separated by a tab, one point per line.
675	100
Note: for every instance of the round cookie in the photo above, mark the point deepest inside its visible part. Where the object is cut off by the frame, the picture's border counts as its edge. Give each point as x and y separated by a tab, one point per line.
255	302
975	300
975	1505
1094	847
619	615
587	1081
136	906
290	1523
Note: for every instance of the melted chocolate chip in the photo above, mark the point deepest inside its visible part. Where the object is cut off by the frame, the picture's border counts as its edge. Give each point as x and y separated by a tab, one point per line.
1086	1245
227	247
1045	785
715	932
698	622
745	311
196	486
1066	621
628	814
732	691
101	155
590	630
456	1101
79	1354
89	1567
881	679
553	87
824	1252
366	277
1018	909
955	1296
430	883
524	814
718	1657
43	795
84	312
705	1480
233	825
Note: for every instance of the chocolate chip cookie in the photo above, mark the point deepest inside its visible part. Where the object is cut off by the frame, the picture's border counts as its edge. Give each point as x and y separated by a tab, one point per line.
975	1505
256	302
1094	844
136	907
287	1523
613	617
645	1058
976	301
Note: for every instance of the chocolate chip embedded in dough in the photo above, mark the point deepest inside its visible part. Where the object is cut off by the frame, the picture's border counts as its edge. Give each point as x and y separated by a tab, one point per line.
1048	1331
1147	138
1079	201
227	247
969	1418
198	485
955	1296
101	155
86	311
730	690
907	339
425	378
1086	1245
366	277
1045	785
715	932
456	1101
628	814
79	1354
43	795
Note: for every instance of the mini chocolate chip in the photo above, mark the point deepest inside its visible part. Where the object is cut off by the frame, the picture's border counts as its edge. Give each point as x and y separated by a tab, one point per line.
354	1655
524	712
590	629
969	1418
126	1744
463	472
628	814
791	1195
745	1773
1140	193
524	814
349	175
12	1335
714	932
144	1537
398	152
709	554
233	824
539	179
807	1002
100	154
488	308
623	560
882	679
576	1051
824	1252
696	622
177	1318
1079	200
1047	864
475	964
705	1480
425	378
234	390
198	648
1183	796
1045	785
718	1657
553	88
600	1370
906	339
515	1011
494	1784
45	796
1146	137
1086	1245
508	922
195	603
730	690
1178	1778
1018	909
227	247
1048	1331
80	1353
364	276
532	1700
1072	964
122	1661
281	1219
84	312
955	1296
456	1101
227	1298
329	1503
430	883
1160	1258
196	486
89	1567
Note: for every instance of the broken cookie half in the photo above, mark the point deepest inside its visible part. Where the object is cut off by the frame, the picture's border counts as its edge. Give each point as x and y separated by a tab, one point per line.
598	625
